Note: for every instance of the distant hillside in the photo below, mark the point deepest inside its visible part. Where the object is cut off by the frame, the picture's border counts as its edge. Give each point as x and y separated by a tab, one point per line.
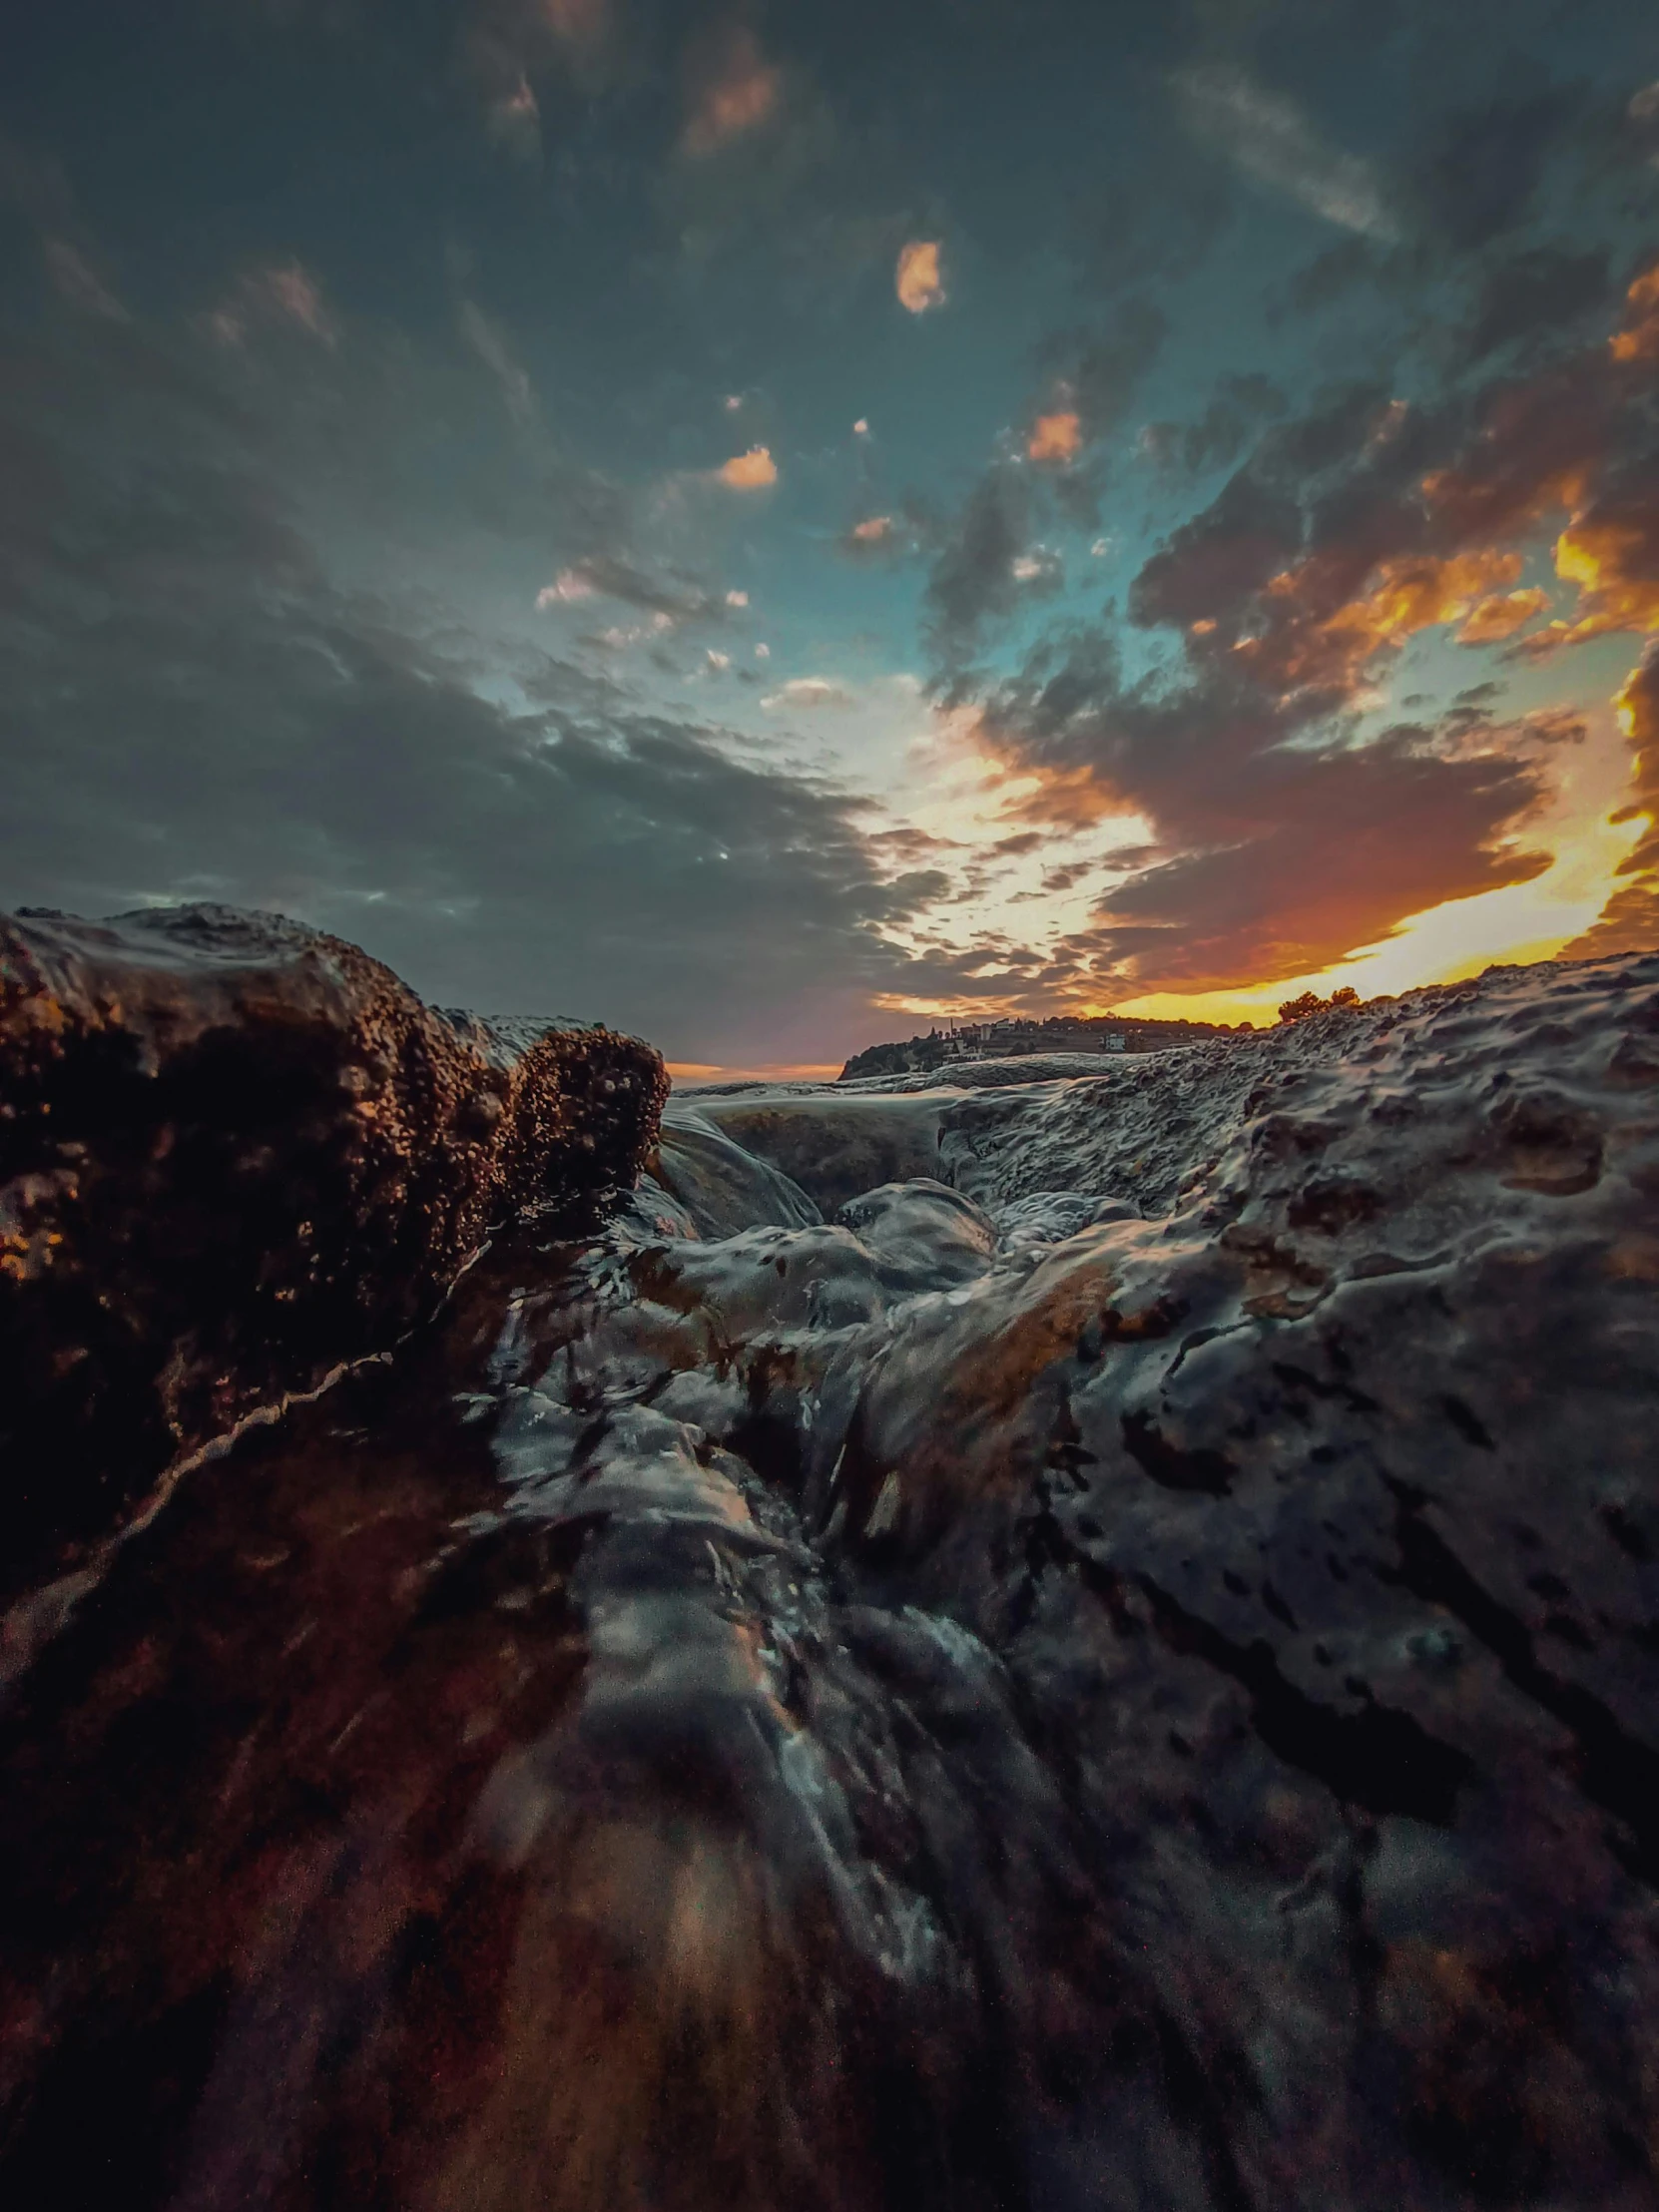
1004	1040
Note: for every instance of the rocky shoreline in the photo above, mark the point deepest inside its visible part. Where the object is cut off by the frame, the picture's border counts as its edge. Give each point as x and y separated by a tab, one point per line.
1085	1645
236	1154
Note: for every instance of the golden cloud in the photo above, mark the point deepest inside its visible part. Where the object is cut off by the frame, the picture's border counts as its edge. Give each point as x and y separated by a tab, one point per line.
873	530
1055	437
1499	617
1610	559
1629	923
1407	595
755	470
918	280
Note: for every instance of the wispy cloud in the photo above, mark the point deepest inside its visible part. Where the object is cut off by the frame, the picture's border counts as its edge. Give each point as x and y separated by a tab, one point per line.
282	294
809	691
78	283
489	343
514	120
1275	144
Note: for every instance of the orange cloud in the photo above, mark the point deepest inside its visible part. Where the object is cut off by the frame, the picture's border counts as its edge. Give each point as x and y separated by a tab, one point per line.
1499	617
1408	594
1629	923
1639	340
1055	437
1061	798
751	471
737	97
918	280
873	530
1413	595
1611	557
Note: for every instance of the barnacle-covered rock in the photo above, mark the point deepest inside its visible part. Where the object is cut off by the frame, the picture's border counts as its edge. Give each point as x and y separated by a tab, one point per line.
235	1153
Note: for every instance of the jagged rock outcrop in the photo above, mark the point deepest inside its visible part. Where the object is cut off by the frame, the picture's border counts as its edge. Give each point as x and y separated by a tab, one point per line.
235	1153
1113	1689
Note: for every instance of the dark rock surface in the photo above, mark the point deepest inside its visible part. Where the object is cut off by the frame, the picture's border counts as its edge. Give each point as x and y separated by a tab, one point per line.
1118	1673
235	1153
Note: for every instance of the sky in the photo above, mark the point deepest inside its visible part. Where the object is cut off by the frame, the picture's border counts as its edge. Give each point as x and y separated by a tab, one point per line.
772	526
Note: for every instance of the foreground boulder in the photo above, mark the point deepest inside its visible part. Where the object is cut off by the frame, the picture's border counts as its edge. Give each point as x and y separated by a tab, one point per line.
1116	1675
235	1153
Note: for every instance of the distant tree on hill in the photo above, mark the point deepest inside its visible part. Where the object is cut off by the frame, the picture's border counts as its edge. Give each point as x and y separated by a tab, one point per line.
1298	1009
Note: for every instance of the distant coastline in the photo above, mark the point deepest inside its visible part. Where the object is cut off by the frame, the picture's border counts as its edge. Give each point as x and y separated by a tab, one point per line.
1016	1039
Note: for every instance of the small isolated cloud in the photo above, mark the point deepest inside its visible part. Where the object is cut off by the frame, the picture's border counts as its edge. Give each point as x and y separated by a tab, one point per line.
873	538
755	470
808	691
1057	437
737	599
1272	141
883	537
1037	570
762	653
733	90
917	279
717	661
1498	618
733	402
861	429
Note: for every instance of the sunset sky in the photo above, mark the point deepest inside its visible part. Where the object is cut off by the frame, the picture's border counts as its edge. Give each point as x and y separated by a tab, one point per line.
769	525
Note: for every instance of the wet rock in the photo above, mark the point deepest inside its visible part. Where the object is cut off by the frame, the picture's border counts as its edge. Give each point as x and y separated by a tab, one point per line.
924	1234
723	1188
834	1144
235	1153
1000	1700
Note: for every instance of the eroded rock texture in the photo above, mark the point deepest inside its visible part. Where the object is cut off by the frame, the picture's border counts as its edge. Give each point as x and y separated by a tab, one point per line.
234	1154
1067	1685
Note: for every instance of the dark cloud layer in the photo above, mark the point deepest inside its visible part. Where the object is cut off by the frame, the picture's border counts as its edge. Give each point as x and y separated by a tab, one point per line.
1479	175
192	710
